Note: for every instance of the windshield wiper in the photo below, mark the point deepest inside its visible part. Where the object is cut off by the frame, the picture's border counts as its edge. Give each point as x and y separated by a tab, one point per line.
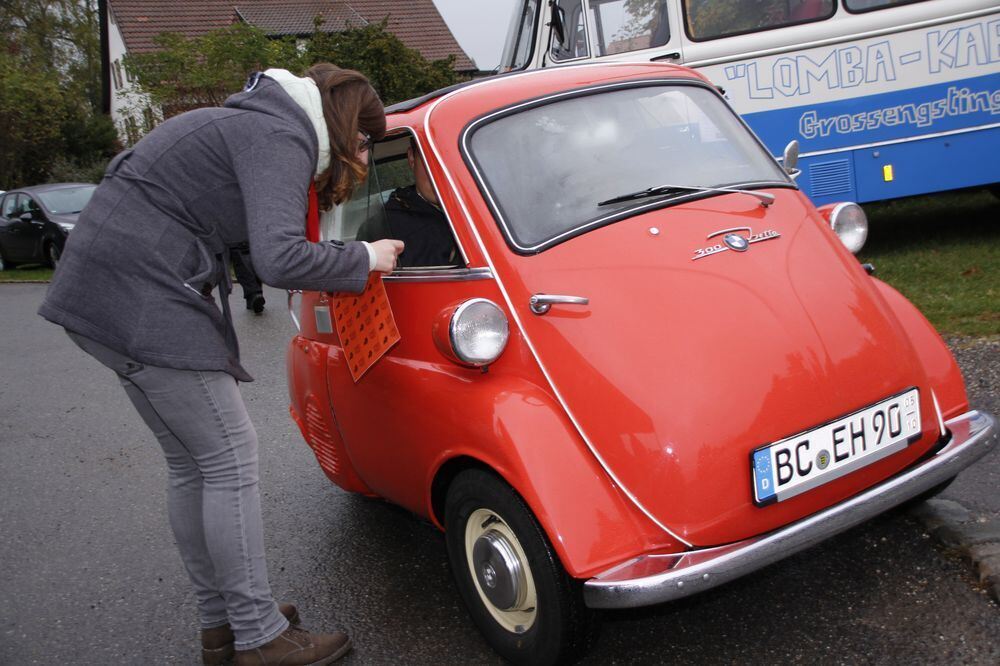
764	198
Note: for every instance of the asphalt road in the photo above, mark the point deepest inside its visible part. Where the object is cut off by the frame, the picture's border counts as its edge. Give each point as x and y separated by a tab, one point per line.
89	573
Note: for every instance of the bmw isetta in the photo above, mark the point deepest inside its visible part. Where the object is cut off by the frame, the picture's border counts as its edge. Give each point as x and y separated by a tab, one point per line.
654	366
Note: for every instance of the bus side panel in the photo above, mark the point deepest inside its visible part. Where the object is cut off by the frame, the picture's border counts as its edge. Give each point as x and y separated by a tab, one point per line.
906	157
876	94
928	165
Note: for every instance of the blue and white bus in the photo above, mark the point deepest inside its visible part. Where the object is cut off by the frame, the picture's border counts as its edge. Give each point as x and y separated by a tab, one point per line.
887	98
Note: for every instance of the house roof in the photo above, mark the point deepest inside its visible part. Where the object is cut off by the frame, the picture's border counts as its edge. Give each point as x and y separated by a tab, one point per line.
417	23
297	17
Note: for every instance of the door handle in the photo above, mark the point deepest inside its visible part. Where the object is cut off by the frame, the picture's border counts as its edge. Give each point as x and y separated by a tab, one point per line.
541	303
674	55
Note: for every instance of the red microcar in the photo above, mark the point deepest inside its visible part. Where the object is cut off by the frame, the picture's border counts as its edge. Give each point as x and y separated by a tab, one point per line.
634	361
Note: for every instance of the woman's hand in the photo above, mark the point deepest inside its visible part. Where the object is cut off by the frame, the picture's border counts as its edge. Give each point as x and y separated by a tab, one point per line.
386	251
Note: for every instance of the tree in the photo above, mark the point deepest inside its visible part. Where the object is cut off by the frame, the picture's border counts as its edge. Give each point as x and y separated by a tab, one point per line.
186	73
50	89
396	71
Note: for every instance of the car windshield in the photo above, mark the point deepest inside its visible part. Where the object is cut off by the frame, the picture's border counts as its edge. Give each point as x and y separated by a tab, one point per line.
520	36
547	166
67	200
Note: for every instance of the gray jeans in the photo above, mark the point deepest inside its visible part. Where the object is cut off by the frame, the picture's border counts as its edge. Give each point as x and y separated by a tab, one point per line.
213	501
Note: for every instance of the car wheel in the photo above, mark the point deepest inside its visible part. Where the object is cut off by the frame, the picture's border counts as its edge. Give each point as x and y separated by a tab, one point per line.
4	264
51	255
516	590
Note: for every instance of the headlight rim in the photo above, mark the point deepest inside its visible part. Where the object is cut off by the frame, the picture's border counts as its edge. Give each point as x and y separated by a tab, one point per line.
836	212
456	314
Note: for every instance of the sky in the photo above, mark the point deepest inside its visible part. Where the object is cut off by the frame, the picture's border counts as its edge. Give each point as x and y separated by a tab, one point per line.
479	26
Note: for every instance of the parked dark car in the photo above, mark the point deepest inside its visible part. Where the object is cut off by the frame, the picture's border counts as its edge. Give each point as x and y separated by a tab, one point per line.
35	221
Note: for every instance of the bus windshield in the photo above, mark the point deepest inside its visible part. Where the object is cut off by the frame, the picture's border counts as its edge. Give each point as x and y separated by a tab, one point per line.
551	169
518	48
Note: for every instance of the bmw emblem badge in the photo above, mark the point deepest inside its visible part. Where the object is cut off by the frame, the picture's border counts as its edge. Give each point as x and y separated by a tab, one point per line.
736	242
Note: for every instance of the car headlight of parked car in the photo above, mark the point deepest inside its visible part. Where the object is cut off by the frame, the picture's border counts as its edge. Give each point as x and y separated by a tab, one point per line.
66	226
850	223
473	333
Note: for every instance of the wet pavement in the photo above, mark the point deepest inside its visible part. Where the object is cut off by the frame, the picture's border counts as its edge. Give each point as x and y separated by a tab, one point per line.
89	573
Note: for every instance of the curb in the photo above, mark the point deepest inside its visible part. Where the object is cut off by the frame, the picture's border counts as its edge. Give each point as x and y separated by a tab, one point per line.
977	538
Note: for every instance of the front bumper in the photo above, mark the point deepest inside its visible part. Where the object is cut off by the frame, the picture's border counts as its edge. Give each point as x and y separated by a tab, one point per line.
652	579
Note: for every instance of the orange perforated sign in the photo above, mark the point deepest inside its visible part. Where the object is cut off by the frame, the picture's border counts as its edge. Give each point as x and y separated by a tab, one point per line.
365	325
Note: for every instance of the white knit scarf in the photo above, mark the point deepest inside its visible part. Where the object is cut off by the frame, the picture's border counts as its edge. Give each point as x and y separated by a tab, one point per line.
306	94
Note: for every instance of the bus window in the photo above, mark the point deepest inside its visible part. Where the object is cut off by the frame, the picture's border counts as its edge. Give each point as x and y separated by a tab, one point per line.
619	26
520	37
572	43
868	5
710	19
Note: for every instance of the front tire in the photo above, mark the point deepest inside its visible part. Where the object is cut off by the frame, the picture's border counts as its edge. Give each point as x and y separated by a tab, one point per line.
52	254
513	585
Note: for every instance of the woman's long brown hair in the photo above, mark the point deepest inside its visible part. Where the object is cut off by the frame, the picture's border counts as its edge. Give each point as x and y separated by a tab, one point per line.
349	104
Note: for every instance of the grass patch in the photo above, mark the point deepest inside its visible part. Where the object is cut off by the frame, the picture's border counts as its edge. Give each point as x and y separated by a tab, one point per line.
943	253
26	273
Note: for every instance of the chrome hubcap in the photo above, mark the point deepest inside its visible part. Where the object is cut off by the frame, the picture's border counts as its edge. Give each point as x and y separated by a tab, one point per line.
500	574
500	571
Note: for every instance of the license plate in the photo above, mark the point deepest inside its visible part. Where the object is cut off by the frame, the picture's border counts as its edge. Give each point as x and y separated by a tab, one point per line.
809	459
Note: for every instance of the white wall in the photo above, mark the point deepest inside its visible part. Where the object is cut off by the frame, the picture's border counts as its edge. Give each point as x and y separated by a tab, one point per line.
131	110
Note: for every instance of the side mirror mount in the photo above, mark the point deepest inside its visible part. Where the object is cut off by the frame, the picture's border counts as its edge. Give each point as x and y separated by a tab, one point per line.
27	217
790	160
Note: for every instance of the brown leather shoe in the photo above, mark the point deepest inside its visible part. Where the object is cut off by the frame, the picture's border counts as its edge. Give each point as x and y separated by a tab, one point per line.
217	643
297	647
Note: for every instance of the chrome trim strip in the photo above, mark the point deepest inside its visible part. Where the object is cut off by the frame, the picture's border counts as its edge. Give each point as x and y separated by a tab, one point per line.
292	293
653	579
438	275
891	142
777	50
513	311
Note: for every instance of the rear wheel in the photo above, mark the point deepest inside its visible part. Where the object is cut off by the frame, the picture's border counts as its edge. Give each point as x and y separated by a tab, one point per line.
51	254
516	590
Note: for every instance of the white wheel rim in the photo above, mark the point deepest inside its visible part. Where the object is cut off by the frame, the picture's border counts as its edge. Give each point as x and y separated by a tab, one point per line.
522	616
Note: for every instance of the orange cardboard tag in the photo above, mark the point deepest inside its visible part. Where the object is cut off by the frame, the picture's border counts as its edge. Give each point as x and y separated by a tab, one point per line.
365	325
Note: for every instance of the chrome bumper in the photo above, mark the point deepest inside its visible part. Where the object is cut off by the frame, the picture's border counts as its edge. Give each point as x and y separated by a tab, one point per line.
653	579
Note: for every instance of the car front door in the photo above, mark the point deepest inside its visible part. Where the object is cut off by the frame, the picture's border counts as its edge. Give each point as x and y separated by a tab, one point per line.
397	417
33	228
18	229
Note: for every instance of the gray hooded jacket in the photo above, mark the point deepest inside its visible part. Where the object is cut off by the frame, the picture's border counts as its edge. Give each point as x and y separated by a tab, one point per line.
139	269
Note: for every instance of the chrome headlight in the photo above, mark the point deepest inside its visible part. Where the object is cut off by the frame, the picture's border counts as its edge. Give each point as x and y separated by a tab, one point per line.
850	223
478	332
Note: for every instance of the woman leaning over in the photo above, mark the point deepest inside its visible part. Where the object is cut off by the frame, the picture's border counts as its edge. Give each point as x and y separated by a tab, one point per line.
143	286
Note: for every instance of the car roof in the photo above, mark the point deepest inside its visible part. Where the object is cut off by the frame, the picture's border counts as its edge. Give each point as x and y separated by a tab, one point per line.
47	187
506	86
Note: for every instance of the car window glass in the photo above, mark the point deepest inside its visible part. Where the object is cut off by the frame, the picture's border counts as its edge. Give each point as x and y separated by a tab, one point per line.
520	36
67	200
572	43
343	222
9	205
620	26
547	167
412	212
868	5
29	205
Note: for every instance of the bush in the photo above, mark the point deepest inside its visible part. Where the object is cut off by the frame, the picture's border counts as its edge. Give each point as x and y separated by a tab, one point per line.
67	171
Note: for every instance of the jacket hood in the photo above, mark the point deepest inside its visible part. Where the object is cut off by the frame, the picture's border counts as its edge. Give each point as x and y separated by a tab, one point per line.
264	94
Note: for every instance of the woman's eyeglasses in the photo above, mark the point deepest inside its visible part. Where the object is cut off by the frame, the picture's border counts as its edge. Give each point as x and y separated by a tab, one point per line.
365	142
